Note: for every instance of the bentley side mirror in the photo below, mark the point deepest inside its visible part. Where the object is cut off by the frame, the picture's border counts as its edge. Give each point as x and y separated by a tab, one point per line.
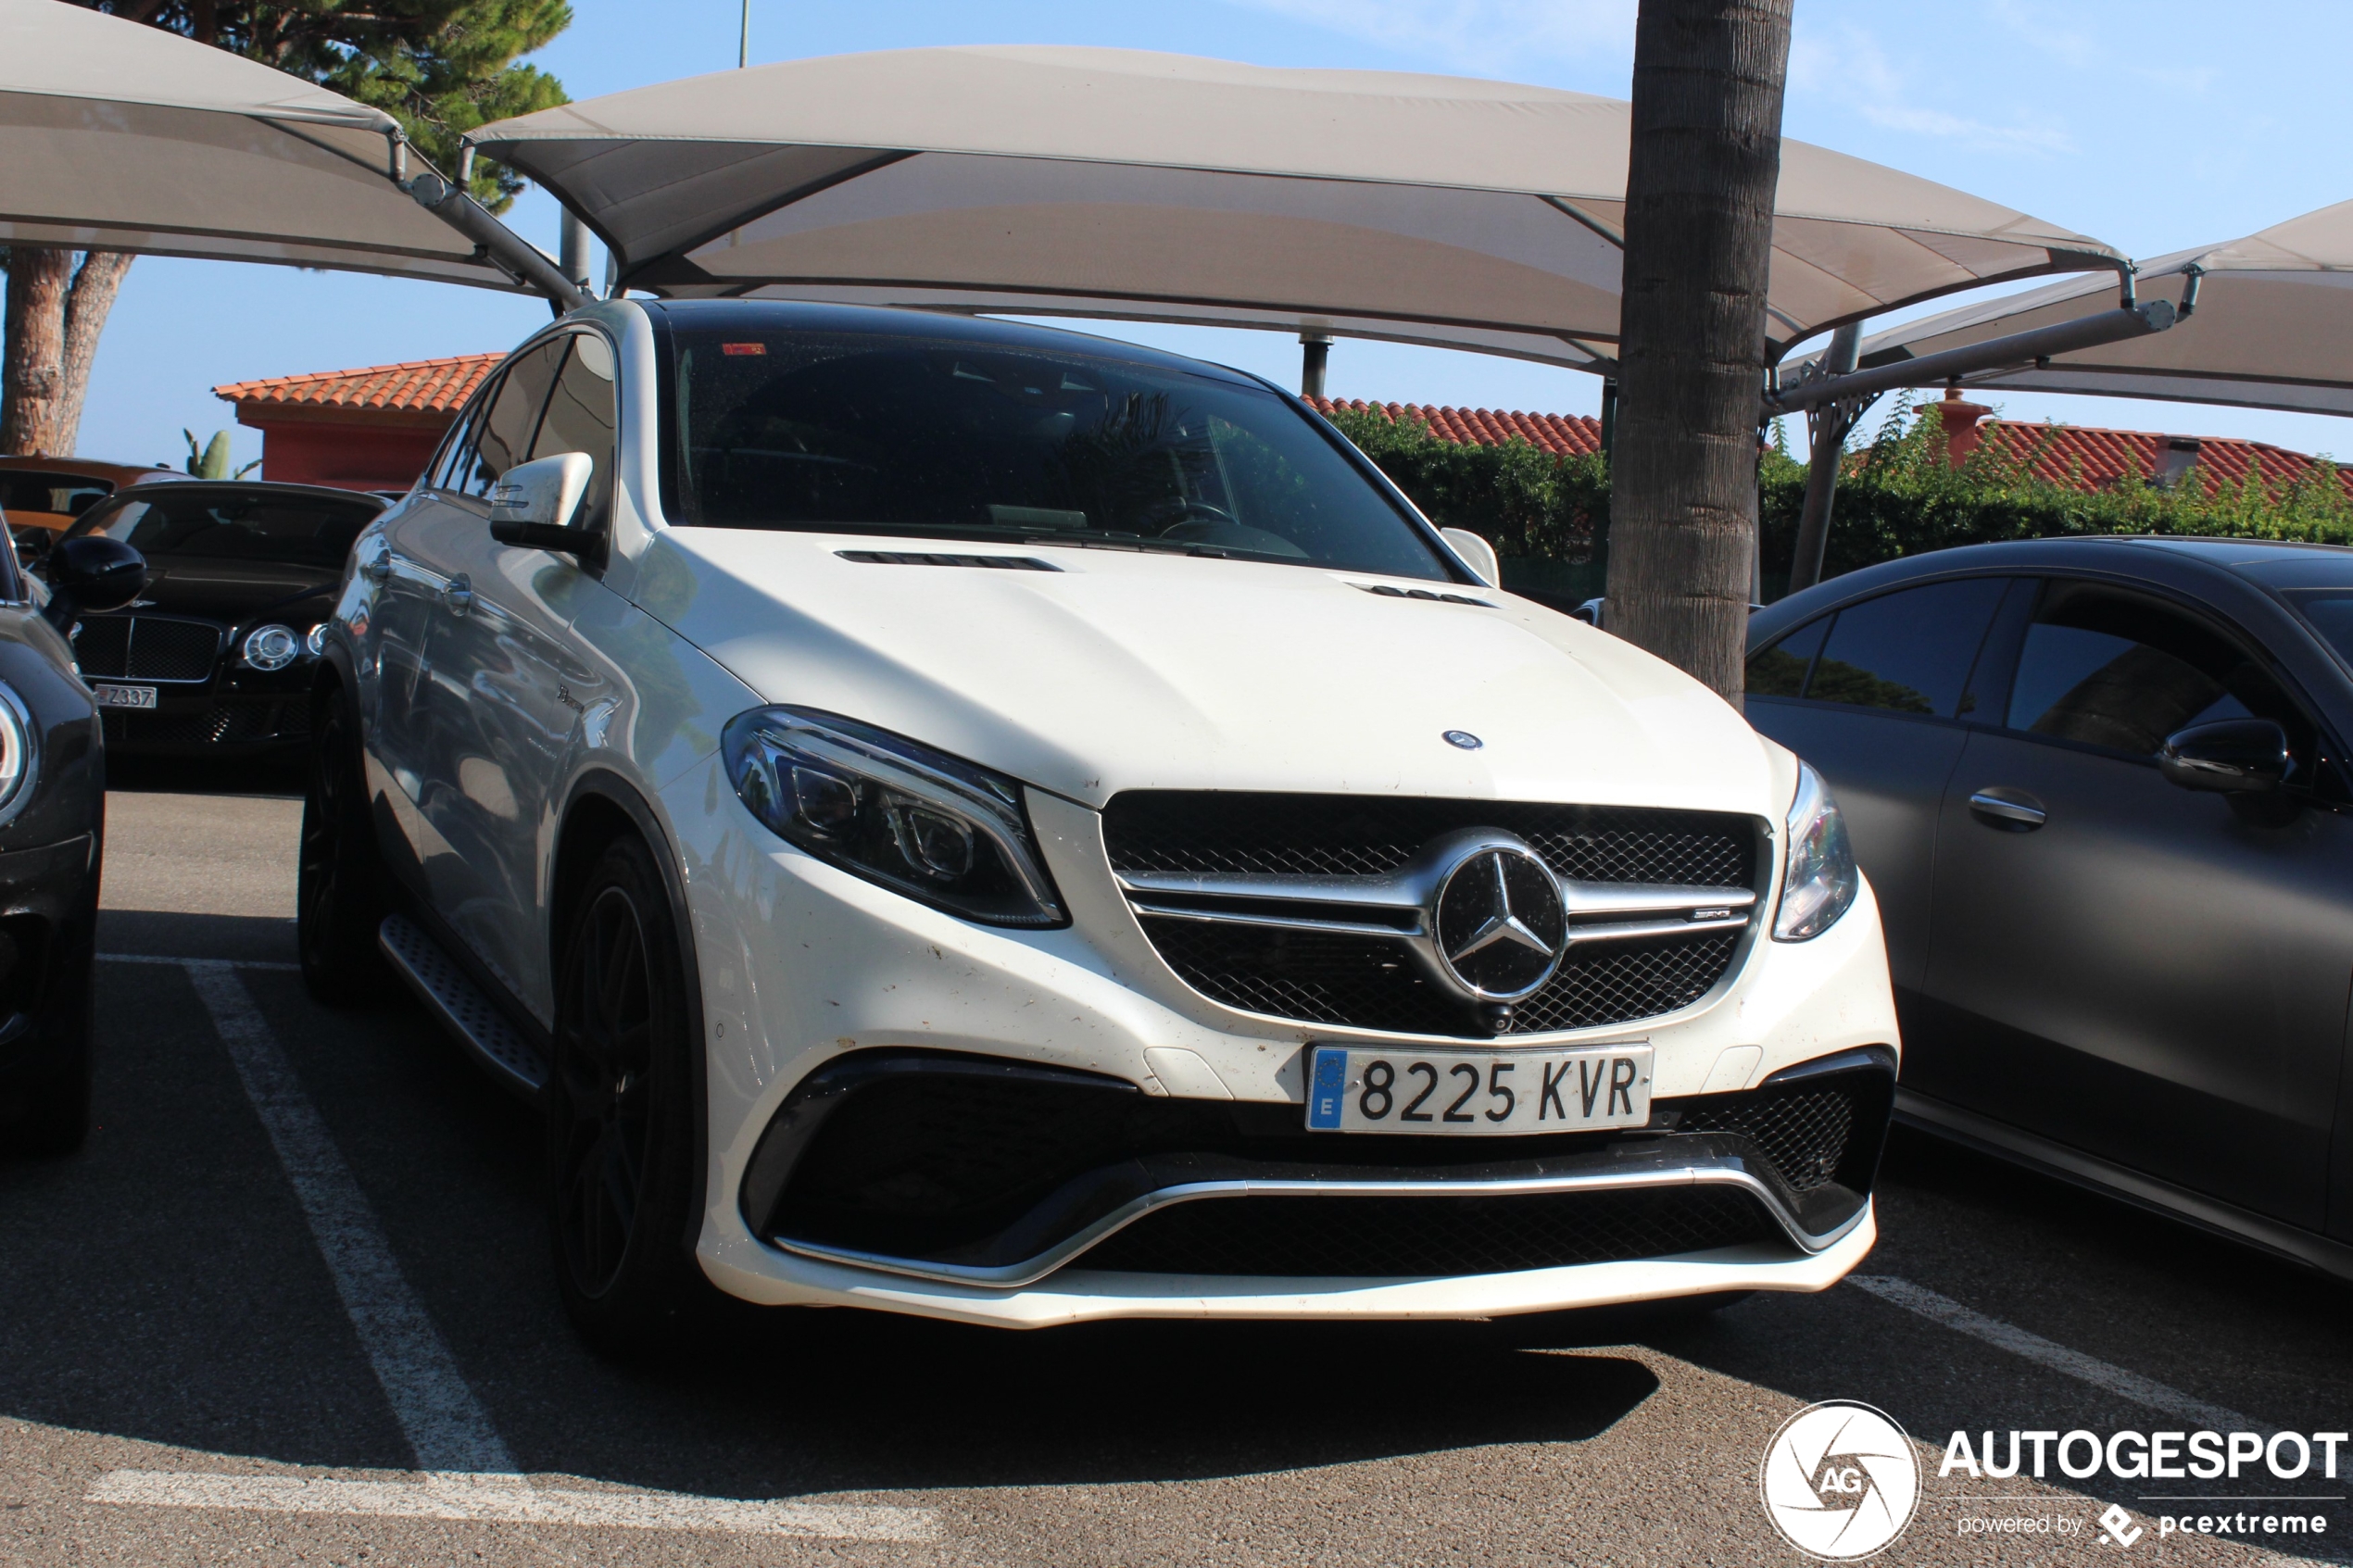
91	573
534	503
2228	756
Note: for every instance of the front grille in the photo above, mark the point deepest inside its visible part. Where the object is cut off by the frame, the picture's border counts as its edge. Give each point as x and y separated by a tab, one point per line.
230	723
146	647
1222	833
1421	1238
1373	983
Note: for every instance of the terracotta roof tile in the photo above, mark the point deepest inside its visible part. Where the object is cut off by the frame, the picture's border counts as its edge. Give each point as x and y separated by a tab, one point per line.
417	386
2095	460
1564	435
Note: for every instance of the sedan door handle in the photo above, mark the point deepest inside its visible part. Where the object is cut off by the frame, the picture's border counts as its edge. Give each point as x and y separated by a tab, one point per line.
2011	809
459	595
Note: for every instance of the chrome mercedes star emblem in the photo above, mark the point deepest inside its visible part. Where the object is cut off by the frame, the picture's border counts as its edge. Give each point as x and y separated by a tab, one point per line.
1498	921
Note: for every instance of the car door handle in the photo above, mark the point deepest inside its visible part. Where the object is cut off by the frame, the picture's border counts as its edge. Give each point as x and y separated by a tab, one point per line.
459	594
2002	807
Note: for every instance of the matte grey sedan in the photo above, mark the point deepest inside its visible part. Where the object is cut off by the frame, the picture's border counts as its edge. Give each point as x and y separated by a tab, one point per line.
2101	788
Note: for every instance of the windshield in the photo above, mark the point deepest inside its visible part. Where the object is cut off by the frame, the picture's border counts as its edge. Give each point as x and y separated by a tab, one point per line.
781	426
258	526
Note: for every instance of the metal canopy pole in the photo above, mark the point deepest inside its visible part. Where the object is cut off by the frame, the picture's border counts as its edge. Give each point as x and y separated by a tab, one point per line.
493	242
1315	356
1828	425
2018	348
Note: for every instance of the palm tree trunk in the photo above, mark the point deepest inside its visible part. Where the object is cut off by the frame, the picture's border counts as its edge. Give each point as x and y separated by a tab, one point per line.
1700	181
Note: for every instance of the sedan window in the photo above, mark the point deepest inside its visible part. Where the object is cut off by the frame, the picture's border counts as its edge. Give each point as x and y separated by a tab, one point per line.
1909	651
265	526
2113	669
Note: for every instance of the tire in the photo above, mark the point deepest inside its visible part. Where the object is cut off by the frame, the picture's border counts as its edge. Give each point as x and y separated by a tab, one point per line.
53	1114
340	887
620	1143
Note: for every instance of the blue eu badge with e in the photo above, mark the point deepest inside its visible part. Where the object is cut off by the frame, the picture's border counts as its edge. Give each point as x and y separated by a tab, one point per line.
1327	1087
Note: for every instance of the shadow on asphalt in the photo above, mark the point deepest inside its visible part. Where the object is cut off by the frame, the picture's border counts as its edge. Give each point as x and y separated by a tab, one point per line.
281	774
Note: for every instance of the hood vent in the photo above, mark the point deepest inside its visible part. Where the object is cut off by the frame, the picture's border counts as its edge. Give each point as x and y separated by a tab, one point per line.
929	558
1388	591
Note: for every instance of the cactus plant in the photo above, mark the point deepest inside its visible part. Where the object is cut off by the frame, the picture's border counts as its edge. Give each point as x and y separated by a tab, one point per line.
212	461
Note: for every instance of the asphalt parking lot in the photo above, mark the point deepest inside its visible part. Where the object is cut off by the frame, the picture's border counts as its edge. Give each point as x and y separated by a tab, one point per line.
303	1249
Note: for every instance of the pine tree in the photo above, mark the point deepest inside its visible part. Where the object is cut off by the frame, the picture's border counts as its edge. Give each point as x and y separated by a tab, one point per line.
439	67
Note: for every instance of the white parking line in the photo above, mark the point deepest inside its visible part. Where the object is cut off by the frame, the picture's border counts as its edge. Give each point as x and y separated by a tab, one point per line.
504	1499
437	1411
470	1474
2059	1358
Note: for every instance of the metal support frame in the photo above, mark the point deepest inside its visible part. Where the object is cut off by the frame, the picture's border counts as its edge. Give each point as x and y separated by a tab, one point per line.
493	242
1315	359
1827	427
1995	353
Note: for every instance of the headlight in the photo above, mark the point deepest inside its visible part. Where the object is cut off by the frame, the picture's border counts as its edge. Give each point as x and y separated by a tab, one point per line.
316	642
16	760
271	647
917	821
1820	881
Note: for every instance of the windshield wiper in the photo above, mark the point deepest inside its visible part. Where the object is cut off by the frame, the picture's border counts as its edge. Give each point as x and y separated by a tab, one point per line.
1093	539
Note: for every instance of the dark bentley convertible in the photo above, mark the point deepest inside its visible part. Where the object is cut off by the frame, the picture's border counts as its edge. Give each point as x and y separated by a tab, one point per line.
215	656
2101	787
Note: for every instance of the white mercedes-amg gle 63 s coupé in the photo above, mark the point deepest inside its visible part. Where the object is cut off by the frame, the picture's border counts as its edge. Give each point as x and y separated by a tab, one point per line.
976	821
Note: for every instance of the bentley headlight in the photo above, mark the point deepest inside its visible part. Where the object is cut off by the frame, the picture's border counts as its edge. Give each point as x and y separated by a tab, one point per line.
16	762
917	821
271	647
1820	881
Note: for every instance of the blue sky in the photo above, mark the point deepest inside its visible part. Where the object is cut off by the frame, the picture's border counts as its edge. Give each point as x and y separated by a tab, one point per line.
2152	124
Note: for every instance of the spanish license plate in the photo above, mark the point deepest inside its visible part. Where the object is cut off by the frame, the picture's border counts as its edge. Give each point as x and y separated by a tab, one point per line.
123	697
1471	1094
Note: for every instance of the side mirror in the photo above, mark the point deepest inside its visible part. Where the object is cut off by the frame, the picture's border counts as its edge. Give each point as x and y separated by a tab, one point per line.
534	503
2228	756
92	572
1477	554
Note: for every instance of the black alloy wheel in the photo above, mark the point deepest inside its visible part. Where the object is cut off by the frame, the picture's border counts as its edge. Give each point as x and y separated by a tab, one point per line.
339	894
619	1136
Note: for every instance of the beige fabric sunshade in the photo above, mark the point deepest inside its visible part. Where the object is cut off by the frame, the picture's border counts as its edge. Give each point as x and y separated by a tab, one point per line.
2273	327
1101	182
119	136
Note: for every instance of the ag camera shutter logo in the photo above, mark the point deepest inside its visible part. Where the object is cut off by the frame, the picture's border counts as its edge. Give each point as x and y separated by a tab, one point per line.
1840	1480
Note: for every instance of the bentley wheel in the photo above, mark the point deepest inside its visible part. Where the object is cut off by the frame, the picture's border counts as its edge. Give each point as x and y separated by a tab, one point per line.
339	887
619	1131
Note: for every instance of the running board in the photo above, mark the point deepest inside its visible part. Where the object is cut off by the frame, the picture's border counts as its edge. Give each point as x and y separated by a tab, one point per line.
459	1006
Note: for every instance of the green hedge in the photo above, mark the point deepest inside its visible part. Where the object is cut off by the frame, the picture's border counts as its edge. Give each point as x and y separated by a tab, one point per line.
1899	498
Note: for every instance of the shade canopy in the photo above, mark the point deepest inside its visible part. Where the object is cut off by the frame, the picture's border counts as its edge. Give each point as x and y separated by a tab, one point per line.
1049	181
119	136
2273	326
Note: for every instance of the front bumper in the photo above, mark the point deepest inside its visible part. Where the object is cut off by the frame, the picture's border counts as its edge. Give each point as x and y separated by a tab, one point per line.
206	722
803	966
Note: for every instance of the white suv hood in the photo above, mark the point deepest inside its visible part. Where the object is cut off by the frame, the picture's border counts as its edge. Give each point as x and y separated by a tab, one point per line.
1126	670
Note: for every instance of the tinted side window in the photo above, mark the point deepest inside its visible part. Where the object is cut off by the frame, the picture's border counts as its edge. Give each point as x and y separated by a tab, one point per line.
582	415
512	420
1781	670
449	463
1909	651
2115	670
